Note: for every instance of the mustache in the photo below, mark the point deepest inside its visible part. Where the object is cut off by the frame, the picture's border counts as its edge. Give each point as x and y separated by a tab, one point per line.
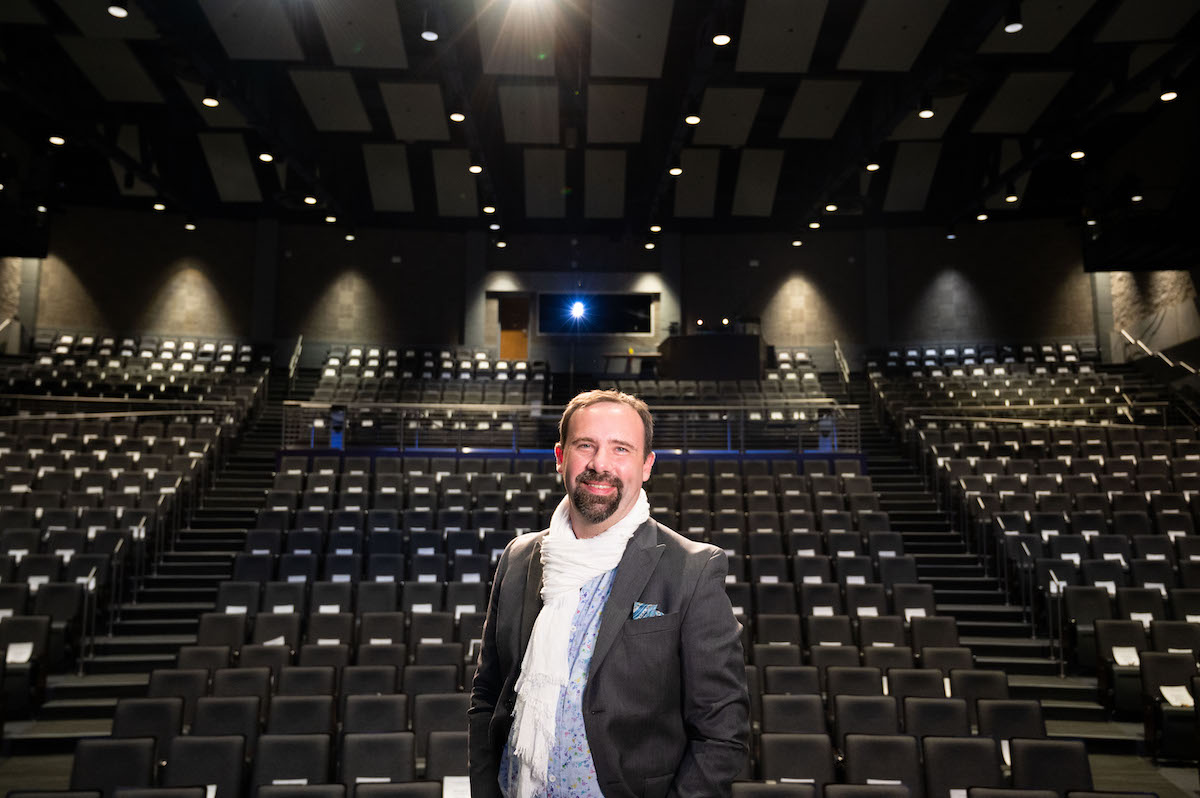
596	477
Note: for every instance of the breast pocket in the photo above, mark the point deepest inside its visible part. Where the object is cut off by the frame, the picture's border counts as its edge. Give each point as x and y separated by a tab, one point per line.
654	623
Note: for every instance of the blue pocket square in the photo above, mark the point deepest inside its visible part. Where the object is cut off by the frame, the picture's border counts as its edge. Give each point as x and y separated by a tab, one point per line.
641	610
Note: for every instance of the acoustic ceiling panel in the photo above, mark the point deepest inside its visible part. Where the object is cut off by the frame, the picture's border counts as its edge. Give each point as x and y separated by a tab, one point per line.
817	109
726	116
758	174
629	38
456	191
387	173
545	181
889	34
1046	25
229	164
112	68
911	175
331	99
615	113
224	115
516	37
696	188
604	184
1147	20
779	35
93	20
258	31
1019	101
529	113
363	33
914	128
416	111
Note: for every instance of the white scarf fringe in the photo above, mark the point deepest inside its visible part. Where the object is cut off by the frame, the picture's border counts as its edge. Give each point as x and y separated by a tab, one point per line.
568	563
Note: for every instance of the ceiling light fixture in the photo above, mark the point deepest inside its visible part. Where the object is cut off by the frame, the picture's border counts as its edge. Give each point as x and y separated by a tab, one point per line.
656	228
1168	90
725	321
699	322
649	245
692	119
474	168
350	235
266	157
489	208
41	209
1136	198
950	236
1077	155
1011	196
1091	222
158	206
310	200
797	243
458	116
57	141
722	39
493	226
210	99
331	220
501	244
925	111
872	167
675	171
189	225
981	217
427	33
815	225
1012	20
118	9
831	207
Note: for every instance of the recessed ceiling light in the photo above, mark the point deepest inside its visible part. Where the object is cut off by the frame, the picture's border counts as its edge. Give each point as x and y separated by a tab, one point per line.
266	157
349	236
797	243
429	35
310	200
982	217
120	10
1077	155
872	167
692	119
1091	222
501	244
41	209
1168	95
815	225
489	208
474	168
649	245
1168	89
158	206
57	141
925	113
1011	198
699	322
950	235
189	226
725	321
831	207
331	219
675	171
656	228
1136	198
1012	20
210	101
458	117
722	39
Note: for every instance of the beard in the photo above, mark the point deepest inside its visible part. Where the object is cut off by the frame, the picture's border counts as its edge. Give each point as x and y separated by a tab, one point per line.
596	509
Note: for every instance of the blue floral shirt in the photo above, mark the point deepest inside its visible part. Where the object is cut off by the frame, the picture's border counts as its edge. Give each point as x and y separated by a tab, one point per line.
572	773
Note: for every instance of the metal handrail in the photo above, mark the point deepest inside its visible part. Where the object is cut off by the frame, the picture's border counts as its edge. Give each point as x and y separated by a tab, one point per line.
843	366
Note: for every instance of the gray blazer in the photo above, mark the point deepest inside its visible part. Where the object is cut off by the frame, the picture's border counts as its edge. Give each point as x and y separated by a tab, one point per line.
665	708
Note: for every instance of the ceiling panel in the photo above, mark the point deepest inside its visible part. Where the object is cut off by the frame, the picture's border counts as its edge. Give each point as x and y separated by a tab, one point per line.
758	174
258	31
889	34
629	37
911	175
1046	24
387	173
726	116
93	20
817	109
224	115
20	12
615	113
516	37
332	100
112	68
229	163
696	188
604	184
457	194
779	35
416	111
914	128
529	114
129	142
363	33
545	177
1019	102
1147	20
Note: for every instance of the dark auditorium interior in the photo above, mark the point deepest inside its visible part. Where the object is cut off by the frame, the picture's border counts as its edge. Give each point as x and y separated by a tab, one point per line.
293	293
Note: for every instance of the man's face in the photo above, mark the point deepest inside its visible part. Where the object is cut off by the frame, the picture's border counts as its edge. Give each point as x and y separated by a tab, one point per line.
603	464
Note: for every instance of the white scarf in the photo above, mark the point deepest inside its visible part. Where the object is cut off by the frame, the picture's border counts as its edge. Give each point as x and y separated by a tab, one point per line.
568	563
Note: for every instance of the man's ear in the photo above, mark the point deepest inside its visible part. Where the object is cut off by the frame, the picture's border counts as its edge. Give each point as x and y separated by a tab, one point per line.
558	457
646	466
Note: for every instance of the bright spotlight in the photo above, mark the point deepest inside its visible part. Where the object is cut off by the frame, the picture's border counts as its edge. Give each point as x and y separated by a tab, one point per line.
722	39
310	200
458	117
266	157
158	206
57	141
577	310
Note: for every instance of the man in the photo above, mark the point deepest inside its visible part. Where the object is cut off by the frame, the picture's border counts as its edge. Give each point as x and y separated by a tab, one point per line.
611	661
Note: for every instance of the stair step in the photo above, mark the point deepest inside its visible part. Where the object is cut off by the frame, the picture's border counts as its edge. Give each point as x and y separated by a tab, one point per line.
120	685
77	709
136	645
1027	665
127	663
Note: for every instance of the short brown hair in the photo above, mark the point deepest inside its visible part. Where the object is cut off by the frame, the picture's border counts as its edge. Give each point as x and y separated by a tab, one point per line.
589	398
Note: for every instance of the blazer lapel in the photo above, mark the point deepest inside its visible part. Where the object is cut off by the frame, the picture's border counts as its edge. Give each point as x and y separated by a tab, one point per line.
640	558
533	597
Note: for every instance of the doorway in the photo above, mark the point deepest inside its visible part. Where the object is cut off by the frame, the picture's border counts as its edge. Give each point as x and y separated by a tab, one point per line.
514	328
